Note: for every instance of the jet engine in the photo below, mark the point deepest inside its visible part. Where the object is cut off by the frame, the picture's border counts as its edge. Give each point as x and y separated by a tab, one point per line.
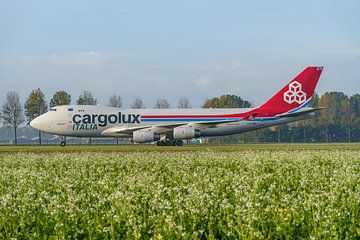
145	135
184	132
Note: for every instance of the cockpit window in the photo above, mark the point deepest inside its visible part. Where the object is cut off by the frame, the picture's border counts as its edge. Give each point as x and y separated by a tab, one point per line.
53	109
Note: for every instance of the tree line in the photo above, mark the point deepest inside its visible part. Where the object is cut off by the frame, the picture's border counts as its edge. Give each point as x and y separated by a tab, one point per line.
338	122
12	112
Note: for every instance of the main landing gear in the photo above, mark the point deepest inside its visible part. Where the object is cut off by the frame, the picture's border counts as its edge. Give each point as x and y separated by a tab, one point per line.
170	143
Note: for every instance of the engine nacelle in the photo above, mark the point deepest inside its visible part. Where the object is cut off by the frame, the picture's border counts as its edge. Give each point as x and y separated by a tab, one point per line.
187	131
145	135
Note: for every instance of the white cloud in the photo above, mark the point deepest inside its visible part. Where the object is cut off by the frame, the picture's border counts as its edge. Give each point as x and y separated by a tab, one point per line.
346	51
92	59
236	65
204	82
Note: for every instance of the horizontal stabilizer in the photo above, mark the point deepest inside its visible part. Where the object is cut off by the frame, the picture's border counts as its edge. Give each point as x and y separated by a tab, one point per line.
299	113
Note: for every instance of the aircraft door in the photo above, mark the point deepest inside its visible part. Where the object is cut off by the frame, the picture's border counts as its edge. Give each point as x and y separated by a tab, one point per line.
69	123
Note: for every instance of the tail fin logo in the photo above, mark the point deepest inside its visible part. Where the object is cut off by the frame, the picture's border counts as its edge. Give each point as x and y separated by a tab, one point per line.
295	93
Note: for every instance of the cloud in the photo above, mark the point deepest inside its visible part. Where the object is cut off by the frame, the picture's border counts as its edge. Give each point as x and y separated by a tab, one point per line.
91	59
236	65
204	82
346	52
76	59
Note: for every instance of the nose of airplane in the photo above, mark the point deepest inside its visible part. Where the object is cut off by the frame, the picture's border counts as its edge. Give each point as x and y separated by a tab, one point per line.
35	123
38	123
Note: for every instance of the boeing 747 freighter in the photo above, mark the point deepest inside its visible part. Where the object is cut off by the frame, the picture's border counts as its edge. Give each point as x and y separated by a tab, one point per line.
168	127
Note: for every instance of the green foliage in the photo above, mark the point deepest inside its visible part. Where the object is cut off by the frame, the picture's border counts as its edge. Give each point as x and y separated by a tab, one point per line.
355	104
249	194
60	98
35	105
333	102
226	101
355	111
86	99
336	119
314	100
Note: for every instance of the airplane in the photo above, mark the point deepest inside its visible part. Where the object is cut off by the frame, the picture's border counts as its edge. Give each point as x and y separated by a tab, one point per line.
169	127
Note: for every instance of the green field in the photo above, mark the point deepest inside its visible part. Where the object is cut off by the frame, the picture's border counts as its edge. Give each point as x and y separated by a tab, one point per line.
185	148
190	192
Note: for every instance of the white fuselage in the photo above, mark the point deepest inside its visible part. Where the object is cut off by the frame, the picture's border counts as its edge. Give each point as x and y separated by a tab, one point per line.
92	121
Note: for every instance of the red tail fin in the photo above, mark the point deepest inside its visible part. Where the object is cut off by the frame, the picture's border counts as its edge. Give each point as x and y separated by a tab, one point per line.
296	93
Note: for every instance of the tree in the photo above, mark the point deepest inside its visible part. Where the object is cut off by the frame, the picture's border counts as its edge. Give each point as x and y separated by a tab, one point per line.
309	123
354	118
115	101
35	105
355	104
346	117
86	99
60	98
12	112
162	103
184	103
314	100
333	118
226	101
138	103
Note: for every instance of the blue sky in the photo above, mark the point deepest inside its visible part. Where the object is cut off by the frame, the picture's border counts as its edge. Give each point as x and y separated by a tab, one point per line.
171	49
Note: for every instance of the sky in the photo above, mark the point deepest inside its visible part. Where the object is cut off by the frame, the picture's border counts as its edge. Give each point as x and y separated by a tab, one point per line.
171	49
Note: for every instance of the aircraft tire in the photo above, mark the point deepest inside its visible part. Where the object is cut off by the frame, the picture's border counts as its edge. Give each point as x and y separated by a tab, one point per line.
179	143
62	143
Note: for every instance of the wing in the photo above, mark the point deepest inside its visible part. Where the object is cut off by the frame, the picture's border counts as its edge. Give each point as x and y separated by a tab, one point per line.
159	128
127	131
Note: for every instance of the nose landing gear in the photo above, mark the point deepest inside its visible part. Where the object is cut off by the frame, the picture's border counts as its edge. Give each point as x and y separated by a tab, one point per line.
62	141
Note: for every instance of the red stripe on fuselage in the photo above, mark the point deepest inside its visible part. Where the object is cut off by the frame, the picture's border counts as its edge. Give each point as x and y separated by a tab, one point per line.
263	112
196	116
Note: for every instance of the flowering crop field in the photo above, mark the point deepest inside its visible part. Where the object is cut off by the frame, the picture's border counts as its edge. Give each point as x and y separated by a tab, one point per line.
203	194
